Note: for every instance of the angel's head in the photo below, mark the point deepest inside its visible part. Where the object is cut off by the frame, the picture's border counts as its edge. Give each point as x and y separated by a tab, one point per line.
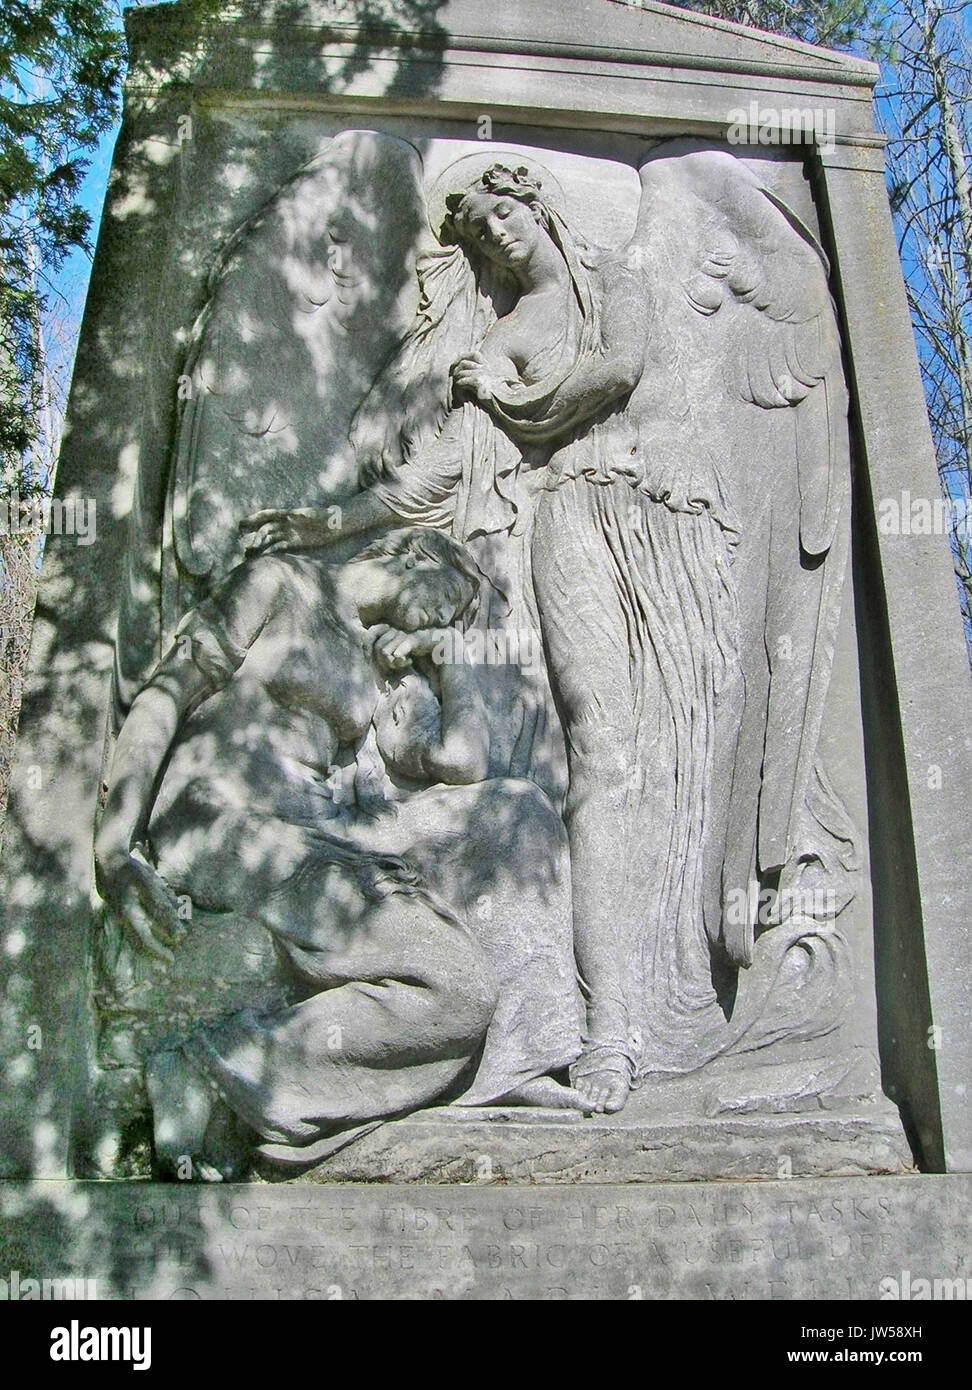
502	216
426	579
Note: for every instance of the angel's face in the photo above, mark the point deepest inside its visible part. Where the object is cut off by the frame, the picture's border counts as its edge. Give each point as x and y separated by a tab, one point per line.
503	229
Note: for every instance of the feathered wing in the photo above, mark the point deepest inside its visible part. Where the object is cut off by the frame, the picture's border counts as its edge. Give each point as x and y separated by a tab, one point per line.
306	302
746	354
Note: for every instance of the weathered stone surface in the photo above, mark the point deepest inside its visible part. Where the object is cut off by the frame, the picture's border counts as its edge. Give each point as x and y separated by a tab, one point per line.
532	1147
919	739
835	1239
343	753
696	398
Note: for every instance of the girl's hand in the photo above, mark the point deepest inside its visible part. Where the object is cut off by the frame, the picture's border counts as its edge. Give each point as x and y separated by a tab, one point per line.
394	650
143	903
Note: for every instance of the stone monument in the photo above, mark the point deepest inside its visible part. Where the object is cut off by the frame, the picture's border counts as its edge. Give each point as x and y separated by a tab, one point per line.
494	741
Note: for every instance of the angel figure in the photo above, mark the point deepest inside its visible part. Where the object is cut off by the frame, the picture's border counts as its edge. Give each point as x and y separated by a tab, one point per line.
665	428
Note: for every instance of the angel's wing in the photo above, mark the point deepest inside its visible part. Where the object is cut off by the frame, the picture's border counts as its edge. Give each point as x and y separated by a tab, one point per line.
745	336
312	298
727	247
306	302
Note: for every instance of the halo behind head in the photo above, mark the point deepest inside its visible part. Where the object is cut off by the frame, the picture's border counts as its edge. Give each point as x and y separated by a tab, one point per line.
466	173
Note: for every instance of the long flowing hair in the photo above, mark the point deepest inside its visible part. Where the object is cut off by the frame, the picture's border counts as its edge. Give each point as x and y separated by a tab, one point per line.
461	295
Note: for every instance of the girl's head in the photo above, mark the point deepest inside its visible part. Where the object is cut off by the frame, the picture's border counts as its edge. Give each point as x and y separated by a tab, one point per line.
436	580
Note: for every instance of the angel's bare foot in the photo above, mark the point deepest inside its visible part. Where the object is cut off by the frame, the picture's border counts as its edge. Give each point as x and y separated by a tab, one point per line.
547	1094
602	1075
604	1091
181	1111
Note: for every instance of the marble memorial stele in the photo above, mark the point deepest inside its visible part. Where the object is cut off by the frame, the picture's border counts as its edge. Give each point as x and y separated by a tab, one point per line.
494	738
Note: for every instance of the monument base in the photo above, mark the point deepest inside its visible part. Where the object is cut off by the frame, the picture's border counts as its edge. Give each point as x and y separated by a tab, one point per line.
790	1120
836	1238
498	1144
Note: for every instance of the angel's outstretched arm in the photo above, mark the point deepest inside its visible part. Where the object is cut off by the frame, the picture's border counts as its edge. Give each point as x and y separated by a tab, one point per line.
313	528
417	490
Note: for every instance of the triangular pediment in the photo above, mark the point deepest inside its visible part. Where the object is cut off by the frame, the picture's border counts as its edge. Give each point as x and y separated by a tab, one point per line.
640	28
623	31
698	34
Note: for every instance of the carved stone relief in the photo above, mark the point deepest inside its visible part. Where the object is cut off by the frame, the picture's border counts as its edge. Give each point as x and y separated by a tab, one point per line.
503	572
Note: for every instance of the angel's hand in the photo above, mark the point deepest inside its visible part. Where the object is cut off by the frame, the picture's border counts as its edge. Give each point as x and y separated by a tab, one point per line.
143	903
394	649
268	531
471	377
